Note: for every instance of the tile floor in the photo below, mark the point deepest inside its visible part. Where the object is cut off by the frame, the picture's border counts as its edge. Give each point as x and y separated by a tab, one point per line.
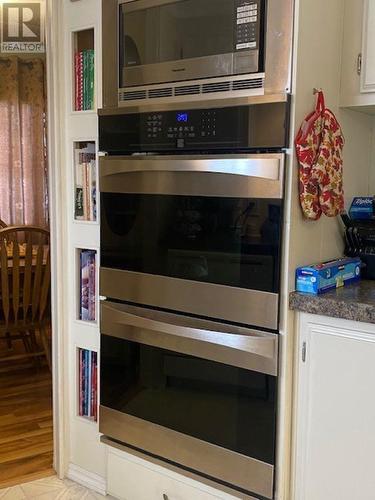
49	488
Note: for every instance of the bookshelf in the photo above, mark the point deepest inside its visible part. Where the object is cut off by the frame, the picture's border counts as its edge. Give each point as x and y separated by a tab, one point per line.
83	79
81	26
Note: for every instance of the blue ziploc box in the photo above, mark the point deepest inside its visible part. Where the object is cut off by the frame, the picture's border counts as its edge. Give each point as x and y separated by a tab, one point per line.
320	278
362	208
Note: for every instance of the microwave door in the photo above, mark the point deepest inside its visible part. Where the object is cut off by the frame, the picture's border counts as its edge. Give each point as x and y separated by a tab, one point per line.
170	41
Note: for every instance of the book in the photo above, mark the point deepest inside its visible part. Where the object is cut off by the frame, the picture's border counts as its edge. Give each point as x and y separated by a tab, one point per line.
85	182
84	76
78	70
87	384
90	79
80	379
92	286
79	212
88	285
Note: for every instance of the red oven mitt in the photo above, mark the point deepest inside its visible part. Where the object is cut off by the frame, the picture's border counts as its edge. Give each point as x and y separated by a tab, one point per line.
328	169
307	145
319	146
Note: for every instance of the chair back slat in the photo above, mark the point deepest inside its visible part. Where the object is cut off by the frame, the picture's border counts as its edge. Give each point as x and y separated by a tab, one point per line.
2	224
15	295
4	280
35	301
46	284
25	274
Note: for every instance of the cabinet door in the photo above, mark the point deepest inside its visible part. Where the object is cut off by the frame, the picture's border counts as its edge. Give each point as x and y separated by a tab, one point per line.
368	48
335	440
351	50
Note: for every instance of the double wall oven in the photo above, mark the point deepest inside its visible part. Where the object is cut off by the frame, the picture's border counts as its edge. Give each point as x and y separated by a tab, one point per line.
191	234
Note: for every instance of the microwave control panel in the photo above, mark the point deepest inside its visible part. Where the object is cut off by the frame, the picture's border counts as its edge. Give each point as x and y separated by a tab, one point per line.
229	128
247	19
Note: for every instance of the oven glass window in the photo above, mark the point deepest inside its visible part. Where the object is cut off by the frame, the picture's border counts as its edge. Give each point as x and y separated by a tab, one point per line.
220	404
228	241
177	30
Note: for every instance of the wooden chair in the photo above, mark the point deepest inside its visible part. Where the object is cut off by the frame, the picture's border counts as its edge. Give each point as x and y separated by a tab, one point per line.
25	279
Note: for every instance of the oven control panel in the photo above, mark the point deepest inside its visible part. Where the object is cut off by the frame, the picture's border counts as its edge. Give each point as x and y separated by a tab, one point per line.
181	125
229	128
247	20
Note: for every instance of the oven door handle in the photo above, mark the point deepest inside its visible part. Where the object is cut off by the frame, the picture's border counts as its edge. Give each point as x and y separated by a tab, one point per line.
265	166
248	349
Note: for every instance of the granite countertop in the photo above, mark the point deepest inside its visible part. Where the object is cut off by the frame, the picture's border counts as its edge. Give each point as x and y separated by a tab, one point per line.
354	302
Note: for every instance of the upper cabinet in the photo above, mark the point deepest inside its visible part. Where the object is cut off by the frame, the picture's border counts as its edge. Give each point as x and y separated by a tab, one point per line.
358	57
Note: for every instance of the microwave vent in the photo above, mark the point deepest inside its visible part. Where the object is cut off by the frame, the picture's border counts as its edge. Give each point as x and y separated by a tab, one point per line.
253	86
248	84
215	87
187	90
132	96
163	92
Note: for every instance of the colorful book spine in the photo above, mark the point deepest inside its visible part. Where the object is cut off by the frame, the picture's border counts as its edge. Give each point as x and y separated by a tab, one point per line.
92	286
85	183
88	285
84	75
88	384
78	81
91	79
85	79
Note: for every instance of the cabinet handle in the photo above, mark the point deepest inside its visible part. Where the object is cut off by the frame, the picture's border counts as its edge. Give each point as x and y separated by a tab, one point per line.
359	64
304	347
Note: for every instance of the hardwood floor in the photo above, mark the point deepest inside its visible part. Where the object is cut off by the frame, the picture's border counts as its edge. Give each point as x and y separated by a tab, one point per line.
26	440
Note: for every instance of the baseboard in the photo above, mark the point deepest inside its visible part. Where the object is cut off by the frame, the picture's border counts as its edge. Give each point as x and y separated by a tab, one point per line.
88	479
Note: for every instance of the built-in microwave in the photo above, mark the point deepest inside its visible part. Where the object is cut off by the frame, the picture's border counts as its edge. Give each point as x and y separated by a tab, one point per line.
173	49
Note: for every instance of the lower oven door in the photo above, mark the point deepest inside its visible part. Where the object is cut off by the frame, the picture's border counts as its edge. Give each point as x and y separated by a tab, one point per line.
193	392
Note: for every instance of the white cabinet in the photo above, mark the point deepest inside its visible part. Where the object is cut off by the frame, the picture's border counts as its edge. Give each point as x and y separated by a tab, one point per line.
358	54
334	446
368	47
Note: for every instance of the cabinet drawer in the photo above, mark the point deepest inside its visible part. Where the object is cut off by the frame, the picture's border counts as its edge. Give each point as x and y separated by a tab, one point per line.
129	480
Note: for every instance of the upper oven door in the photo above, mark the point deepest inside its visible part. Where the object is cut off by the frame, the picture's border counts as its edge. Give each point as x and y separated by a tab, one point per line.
172	40
197	234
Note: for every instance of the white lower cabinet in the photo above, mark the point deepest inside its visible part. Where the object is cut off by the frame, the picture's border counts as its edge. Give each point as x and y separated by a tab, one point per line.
131	478
335	410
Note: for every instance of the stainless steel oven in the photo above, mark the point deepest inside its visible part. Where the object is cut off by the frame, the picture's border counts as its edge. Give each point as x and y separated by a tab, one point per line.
191	234
165	49
197	393
192	227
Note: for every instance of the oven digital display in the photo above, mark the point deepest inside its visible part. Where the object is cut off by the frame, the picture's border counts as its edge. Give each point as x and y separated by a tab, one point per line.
182	117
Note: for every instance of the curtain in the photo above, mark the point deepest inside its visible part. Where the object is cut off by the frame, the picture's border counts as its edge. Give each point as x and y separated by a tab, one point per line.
23	160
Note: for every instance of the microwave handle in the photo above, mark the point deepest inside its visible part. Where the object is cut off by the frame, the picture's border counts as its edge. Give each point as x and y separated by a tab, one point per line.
258	352
265	166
